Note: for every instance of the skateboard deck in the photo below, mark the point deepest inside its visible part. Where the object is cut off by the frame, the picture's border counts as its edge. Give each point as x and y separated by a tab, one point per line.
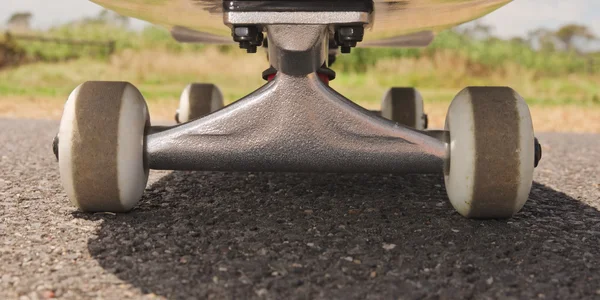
394	22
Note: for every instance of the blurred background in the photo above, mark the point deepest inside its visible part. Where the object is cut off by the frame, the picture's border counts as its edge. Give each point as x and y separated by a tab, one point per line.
547	50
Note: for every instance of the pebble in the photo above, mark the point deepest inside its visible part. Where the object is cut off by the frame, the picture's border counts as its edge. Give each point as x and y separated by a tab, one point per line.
389	247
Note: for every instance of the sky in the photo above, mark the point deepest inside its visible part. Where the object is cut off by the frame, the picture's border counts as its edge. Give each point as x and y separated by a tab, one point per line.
515	19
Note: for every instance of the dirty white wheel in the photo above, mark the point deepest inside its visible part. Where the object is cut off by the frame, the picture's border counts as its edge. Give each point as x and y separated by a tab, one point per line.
198	100
405	106
489	169
101	148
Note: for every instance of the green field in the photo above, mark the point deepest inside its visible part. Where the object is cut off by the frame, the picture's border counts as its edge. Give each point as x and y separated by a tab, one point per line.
161	67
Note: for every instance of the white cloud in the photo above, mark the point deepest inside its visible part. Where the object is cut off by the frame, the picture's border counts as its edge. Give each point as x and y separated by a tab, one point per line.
521	16
48	12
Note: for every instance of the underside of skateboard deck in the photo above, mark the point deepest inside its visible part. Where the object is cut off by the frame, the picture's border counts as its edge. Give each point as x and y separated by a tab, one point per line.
391	23
296	122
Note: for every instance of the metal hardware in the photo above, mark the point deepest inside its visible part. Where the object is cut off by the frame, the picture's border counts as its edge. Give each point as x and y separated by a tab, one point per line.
296	5
295	123
324	70
249	37
297	18
55	146
348	37
538	152
347	25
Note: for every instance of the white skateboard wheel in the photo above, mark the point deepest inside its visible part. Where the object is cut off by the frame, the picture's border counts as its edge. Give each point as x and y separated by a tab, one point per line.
404	106
101	149
489	168
198	100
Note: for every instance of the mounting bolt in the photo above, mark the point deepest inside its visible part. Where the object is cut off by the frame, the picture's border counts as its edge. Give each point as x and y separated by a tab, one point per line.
538	152
349	36
55	146
249	37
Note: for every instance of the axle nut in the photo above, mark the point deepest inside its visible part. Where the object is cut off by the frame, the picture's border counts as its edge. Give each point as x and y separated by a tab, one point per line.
538	152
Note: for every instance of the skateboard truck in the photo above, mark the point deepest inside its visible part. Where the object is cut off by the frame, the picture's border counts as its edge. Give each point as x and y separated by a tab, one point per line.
296	123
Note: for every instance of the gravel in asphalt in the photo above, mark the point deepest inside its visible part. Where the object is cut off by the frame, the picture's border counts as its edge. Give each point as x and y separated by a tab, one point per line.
296	236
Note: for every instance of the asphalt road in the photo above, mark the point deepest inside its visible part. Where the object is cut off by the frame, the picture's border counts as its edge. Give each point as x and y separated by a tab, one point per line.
296	236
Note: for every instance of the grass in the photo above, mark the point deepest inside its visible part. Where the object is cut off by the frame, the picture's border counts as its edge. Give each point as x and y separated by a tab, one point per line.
441	76
161	74
440	70
156	73
565	118
160	68
491	53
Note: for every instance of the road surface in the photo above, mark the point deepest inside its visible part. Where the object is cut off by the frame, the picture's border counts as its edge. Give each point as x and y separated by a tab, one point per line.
296	236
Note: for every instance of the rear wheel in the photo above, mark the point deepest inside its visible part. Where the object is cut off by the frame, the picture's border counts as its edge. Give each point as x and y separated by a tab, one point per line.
198	100
404	106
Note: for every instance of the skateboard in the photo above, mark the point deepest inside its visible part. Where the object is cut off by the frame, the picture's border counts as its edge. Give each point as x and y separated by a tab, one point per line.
487	151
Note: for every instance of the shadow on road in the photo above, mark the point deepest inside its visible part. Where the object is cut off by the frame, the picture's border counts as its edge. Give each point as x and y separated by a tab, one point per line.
239	235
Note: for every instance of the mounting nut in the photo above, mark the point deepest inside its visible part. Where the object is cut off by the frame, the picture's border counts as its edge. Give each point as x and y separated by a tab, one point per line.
348	37
55	146
249	37
538	152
